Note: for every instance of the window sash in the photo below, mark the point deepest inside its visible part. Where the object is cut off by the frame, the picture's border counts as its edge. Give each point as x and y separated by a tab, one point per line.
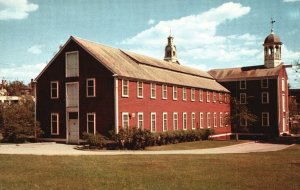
153	122
165	121
90	88
153	90
243	99
91	123
221	119
201	95
54	89
264	83
192	94
193	121
243	84
140	120
125	120
125	88
215	119
72	64
183	93
54	124
174	92
164	91
208	120
175	121
207	96
140	89
265	97
184	121
265	119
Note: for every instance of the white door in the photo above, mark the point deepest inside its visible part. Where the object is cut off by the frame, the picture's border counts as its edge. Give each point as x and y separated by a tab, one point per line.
72	111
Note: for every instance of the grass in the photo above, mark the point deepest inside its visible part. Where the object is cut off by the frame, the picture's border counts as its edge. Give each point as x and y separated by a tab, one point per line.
196	145
267	171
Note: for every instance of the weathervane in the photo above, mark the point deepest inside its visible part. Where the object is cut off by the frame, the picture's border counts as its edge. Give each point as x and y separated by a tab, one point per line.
272	24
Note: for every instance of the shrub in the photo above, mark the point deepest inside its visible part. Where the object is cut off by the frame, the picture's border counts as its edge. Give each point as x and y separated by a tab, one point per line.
95	140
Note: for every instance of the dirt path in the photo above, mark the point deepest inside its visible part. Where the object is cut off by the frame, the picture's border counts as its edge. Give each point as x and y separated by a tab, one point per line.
63	149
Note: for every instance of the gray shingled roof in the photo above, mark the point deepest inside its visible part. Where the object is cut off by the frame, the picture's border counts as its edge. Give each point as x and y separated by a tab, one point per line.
134	66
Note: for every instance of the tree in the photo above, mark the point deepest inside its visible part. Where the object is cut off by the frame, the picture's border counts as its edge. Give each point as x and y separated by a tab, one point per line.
18	121
296	68
15	88
239	112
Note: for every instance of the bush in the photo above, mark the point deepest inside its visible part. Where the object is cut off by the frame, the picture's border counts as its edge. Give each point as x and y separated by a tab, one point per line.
17	121
95	140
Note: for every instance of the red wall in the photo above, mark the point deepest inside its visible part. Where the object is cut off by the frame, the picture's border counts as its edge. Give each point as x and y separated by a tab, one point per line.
132	104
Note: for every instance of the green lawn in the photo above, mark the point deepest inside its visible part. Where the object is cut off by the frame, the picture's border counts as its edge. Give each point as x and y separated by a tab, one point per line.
196	145
272	170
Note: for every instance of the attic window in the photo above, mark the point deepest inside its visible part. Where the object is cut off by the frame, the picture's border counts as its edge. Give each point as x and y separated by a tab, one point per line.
243	84
72	64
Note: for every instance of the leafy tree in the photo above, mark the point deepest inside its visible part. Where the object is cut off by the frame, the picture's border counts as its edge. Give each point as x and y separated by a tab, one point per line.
15	88
296	67
18	121
238	112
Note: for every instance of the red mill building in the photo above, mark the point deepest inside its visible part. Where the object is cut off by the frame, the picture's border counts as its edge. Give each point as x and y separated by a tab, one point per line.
263	89
89	87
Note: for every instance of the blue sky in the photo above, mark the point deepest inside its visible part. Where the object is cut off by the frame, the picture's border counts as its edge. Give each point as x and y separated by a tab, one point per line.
208	34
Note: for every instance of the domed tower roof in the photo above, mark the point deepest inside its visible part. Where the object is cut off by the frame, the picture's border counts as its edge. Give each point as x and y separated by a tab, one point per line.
272	39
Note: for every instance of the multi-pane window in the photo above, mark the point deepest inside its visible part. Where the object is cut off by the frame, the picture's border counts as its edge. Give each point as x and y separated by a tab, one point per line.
175	121
192	94
243	84
125	120
183	93
265	97
264	83
207	96
164	92
125	88
225	98
283	84
153	122
140	89
208	120
201	95
140	118
214	97
174	92
215	119
265	118
220	97
153	90
54	89
226	121
221	119
54	124
201	120
165	121
184	120
90	88
91	123
72	64
193	121
243	99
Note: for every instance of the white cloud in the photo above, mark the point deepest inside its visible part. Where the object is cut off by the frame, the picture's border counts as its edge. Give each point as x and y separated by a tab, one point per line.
35	49
16	9
22	72
151	21
290	1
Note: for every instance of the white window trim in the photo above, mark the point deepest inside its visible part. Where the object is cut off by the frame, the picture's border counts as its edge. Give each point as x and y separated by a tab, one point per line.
214	97
123	114
201	120
184	121
57	123
165	128
268	119
282	84
152	86
220	97
208	120
175	91
262	97
215	120
241	87
87	122
226	117
243	94
193	120
66	60
207	96
94	87
123	85
192	94
221	119
175	113
57	89
164	90
283	102
201	95
184	94
138	87
151	126
262	86
138	120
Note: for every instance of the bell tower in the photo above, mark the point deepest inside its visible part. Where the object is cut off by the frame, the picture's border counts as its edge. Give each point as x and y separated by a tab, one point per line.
272	49
170	51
